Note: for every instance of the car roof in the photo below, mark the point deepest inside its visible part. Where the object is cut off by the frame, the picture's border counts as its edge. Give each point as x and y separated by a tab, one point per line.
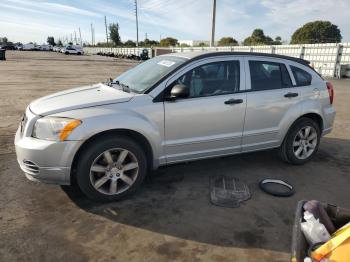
204	54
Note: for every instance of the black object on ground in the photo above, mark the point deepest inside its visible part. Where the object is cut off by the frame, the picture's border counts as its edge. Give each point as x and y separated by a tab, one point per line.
339	216
226	191
276	187
2	54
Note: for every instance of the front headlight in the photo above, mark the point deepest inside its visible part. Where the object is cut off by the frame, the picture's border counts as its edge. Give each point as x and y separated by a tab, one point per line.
54	128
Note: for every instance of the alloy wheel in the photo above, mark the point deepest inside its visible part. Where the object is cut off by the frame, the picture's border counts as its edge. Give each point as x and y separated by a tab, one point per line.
305	142
114	171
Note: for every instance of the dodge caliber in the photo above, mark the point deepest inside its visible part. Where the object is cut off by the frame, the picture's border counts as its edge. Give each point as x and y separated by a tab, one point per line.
174	108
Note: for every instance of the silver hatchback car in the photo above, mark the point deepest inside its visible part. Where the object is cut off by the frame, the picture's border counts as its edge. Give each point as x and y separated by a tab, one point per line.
174	108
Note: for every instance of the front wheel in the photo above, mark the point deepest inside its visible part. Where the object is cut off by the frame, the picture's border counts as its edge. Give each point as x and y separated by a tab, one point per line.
301	142
111	168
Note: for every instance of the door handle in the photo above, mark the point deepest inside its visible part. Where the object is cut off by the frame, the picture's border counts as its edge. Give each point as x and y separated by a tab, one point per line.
289	95
233	101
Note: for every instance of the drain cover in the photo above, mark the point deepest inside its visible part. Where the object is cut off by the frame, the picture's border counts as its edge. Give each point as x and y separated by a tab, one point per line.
227	191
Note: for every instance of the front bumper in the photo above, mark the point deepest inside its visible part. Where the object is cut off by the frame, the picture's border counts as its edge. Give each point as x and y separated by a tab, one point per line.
45	161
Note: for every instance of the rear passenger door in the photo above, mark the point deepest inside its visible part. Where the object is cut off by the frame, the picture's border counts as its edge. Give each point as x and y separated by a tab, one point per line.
270	96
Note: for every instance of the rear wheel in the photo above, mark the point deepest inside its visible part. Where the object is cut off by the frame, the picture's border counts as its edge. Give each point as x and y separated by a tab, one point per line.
67	53
111	168
301	142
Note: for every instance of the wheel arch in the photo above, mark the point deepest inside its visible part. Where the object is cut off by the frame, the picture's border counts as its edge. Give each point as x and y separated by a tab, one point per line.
134	135
314	116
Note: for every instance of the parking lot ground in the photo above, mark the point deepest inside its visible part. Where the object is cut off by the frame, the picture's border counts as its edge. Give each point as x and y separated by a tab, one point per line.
170	218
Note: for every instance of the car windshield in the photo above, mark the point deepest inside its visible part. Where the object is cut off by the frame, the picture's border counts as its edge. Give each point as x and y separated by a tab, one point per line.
146	74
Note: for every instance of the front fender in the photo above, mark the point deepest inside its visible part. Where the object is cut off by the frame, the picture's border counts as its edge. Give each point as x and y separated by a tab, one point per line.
100	119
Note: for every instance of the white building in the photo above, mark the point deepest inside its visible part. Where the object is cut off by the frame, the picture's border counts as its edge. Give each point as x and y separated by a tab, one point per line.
194	42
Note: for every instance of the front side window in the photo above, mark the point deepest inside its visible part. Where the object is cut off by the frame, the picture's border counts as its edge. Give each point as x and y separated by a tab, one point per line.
268	75
302	78
215	78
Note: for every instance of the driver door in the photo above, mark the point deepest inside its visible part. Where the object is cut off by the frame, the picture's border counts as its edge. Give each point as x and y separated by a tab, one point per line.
210	121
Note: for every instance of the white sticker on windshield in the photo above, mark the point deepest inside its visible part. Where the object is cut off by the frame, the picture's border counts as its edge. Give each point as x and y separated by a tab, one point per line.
166	63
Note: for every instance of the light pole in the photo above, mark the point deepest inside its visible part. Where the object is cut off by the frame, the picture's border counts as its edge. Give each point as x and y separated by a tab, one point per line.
212	40
137	25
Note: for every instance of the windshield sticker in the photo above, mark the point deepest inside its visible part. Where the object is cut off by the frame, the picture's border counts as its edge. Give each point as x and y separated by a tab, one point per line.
166	63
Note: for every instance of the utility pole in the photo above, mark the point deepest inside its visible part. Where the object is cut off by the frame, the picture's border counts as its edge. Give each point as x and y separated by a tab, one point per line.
106	30
137	25
212	40
71	37
75	37
92	35
81	40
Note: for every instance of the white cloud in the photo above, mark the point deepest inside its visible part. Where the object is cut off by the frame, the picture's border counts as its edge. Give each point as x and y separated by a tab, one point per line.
68	8
54	7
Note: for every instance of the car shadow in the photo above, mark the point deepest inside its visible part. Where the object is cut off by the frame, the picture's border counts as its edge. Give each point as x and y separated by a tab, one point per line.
175	200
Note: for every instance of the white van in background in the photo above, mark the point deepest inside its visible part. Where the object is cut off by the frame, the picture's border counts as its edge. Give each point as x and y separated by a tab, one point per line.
28	47
45	47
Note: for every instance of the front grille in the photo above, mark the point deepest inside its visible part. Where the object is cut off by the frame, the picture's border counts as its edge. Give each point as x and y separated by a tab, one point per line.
30	167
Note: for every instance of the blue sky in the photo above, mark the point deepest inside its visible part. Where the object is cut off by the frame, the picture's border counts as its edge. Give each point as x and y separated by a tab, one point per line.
34	20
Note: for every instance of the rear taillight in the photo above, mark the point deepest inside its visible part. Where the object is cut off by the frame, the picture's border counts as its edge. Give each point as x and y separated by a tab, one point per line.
330	92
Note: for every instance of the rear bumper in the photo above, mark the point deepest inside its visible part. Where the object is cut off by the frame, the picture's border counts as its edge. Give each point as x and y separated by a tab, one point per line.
46	161
328	120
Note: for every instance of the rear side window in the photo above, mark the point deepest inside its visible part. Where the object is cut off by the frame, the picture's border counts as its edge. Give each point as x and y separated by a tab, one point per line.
302	78
268	75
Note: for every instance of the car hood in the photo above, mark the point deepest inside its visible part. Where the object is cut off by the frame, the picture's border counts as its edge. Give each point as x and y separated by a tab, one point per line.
77	98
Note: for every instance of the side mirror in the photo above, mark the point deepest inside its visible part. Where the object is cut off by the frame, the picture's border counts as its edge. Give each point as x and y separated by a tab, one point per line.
179	91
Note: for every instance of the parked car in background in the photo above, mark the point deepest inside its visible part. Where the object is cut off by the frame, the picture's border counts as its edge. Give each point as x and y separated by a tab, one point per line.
19	47
56	49
8	47
174	108
72	49
45	47
28	47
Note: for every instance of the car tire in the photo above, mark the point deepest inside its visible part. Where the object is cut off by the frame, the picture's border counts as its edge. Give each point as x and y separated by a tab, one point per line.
301	142
78	53
67	53
125	182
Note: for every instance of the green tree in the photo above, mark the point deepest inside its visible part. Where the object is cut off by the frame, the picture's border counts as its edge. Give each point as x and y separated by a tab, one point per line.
184	45
317	32
169	41
51	40
278	41
3	40
114	34
201	44
59	43
258	38
227	41
130	43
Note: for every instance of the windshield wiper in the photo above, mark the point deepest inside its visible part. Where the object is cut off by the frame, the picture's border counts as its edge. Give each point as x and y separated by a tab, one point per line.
124	87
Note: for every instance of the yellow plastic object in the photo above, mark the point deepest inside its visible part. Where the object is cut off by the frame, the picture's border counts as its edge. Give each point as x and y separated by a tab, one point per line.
337	249
68	129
